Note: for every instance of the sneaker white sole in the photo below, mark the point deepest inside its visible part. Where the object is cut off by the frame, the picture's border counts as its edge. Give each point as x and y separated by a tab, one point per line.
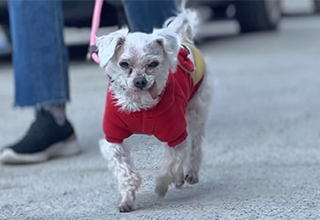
66	148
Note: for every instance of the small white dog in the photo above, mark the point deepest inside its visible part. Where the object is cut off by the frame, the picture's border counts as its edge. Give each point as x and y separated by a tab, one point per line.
156	87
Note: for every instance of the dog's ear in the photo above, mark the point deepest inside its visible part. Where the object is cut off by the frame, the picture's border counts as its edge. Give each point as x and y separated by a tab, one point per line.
108	44
170	43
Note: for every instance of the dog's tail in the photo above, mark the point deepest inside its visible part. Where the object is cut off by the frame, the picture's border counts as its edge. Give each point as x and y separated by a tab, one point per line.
184	24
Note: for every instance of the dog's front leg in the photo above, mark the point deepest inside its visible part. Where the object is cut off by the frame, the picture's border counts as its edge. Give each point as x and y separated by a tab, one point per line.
118	157
172	168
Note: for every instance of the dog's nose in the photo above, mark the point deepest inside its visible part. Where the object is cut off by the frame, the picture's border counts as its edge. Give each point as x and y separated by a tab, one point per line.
140	82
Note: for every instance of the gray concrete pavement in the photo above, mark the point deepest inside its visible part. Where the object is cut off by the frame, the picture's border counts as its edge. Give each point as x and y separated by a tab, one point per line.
262	153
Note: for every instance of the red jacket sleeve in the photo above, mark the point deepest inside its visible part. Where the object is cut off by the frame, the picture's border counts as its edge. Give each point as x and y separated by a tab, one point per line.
114	128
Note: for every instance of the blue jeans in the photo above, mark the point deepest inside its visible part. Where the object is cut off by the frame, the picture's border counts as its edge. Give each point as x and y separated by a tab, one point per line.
40	55
144	15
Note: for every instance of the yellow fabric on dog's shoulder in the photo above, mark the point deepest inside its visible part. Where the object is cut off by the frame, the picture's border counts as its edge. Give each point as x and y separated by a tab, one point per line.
199	63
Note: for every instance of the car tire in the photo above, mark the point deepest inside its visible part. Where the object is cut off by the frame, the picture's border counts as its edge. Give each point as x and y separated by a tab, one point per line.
258	15
317	6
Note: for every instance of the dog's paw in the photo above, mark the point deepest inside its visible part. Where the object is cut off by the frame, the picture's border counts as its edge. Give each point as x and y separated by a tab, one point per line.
125	207
192	178
161	191
179	182
162	186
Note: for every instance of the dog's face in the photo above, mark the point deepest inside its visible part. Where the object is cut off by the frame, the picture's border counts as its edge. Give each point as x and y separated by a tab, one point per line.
138	64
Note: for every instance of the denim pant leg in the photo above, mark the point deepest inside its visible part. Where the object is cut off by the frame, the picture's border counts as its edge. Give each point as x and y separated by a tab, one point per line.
144	15
39	53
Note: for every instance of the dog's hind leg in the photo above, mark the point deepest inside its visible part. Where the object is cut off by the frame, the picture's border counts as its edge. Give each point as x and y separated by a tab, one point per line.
197	114
172	168
195	151
118	157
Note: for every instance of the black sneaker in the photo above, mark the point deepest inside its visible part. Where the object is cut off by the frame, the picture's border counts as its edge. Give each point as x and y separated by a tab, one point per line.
45	139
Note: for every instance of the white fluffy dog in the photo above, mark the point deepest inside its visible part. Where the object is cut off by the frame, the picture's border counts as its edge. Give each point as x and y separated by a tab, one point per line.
144	85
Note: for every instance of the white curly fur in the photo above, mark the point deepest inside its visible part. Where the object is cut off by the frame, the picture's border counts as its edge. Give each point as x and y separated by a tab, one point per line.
143	48
118	157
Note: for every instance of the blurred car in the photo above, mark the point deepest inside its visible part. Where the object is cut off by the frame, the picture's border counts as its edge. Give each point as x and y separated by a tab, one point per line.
252	15
317	6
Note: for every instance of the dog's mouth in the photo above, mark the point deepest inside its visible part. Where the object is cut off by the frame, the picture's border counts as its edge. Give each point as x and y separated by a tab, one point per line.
153	90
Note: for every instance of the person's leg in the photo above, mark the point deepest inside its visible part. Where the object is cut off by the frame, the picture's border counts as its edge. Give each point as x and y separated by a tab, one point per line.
144	15
41	79
39	52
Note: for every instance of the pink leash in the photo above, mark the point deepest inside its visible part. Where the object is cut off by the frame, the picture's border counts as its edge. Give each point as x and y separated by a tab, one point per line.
93	50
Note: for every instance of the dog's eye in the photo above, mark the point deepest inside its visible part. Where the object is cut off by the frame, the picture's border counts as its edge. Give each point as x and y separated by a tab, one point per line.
124	65
154	64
